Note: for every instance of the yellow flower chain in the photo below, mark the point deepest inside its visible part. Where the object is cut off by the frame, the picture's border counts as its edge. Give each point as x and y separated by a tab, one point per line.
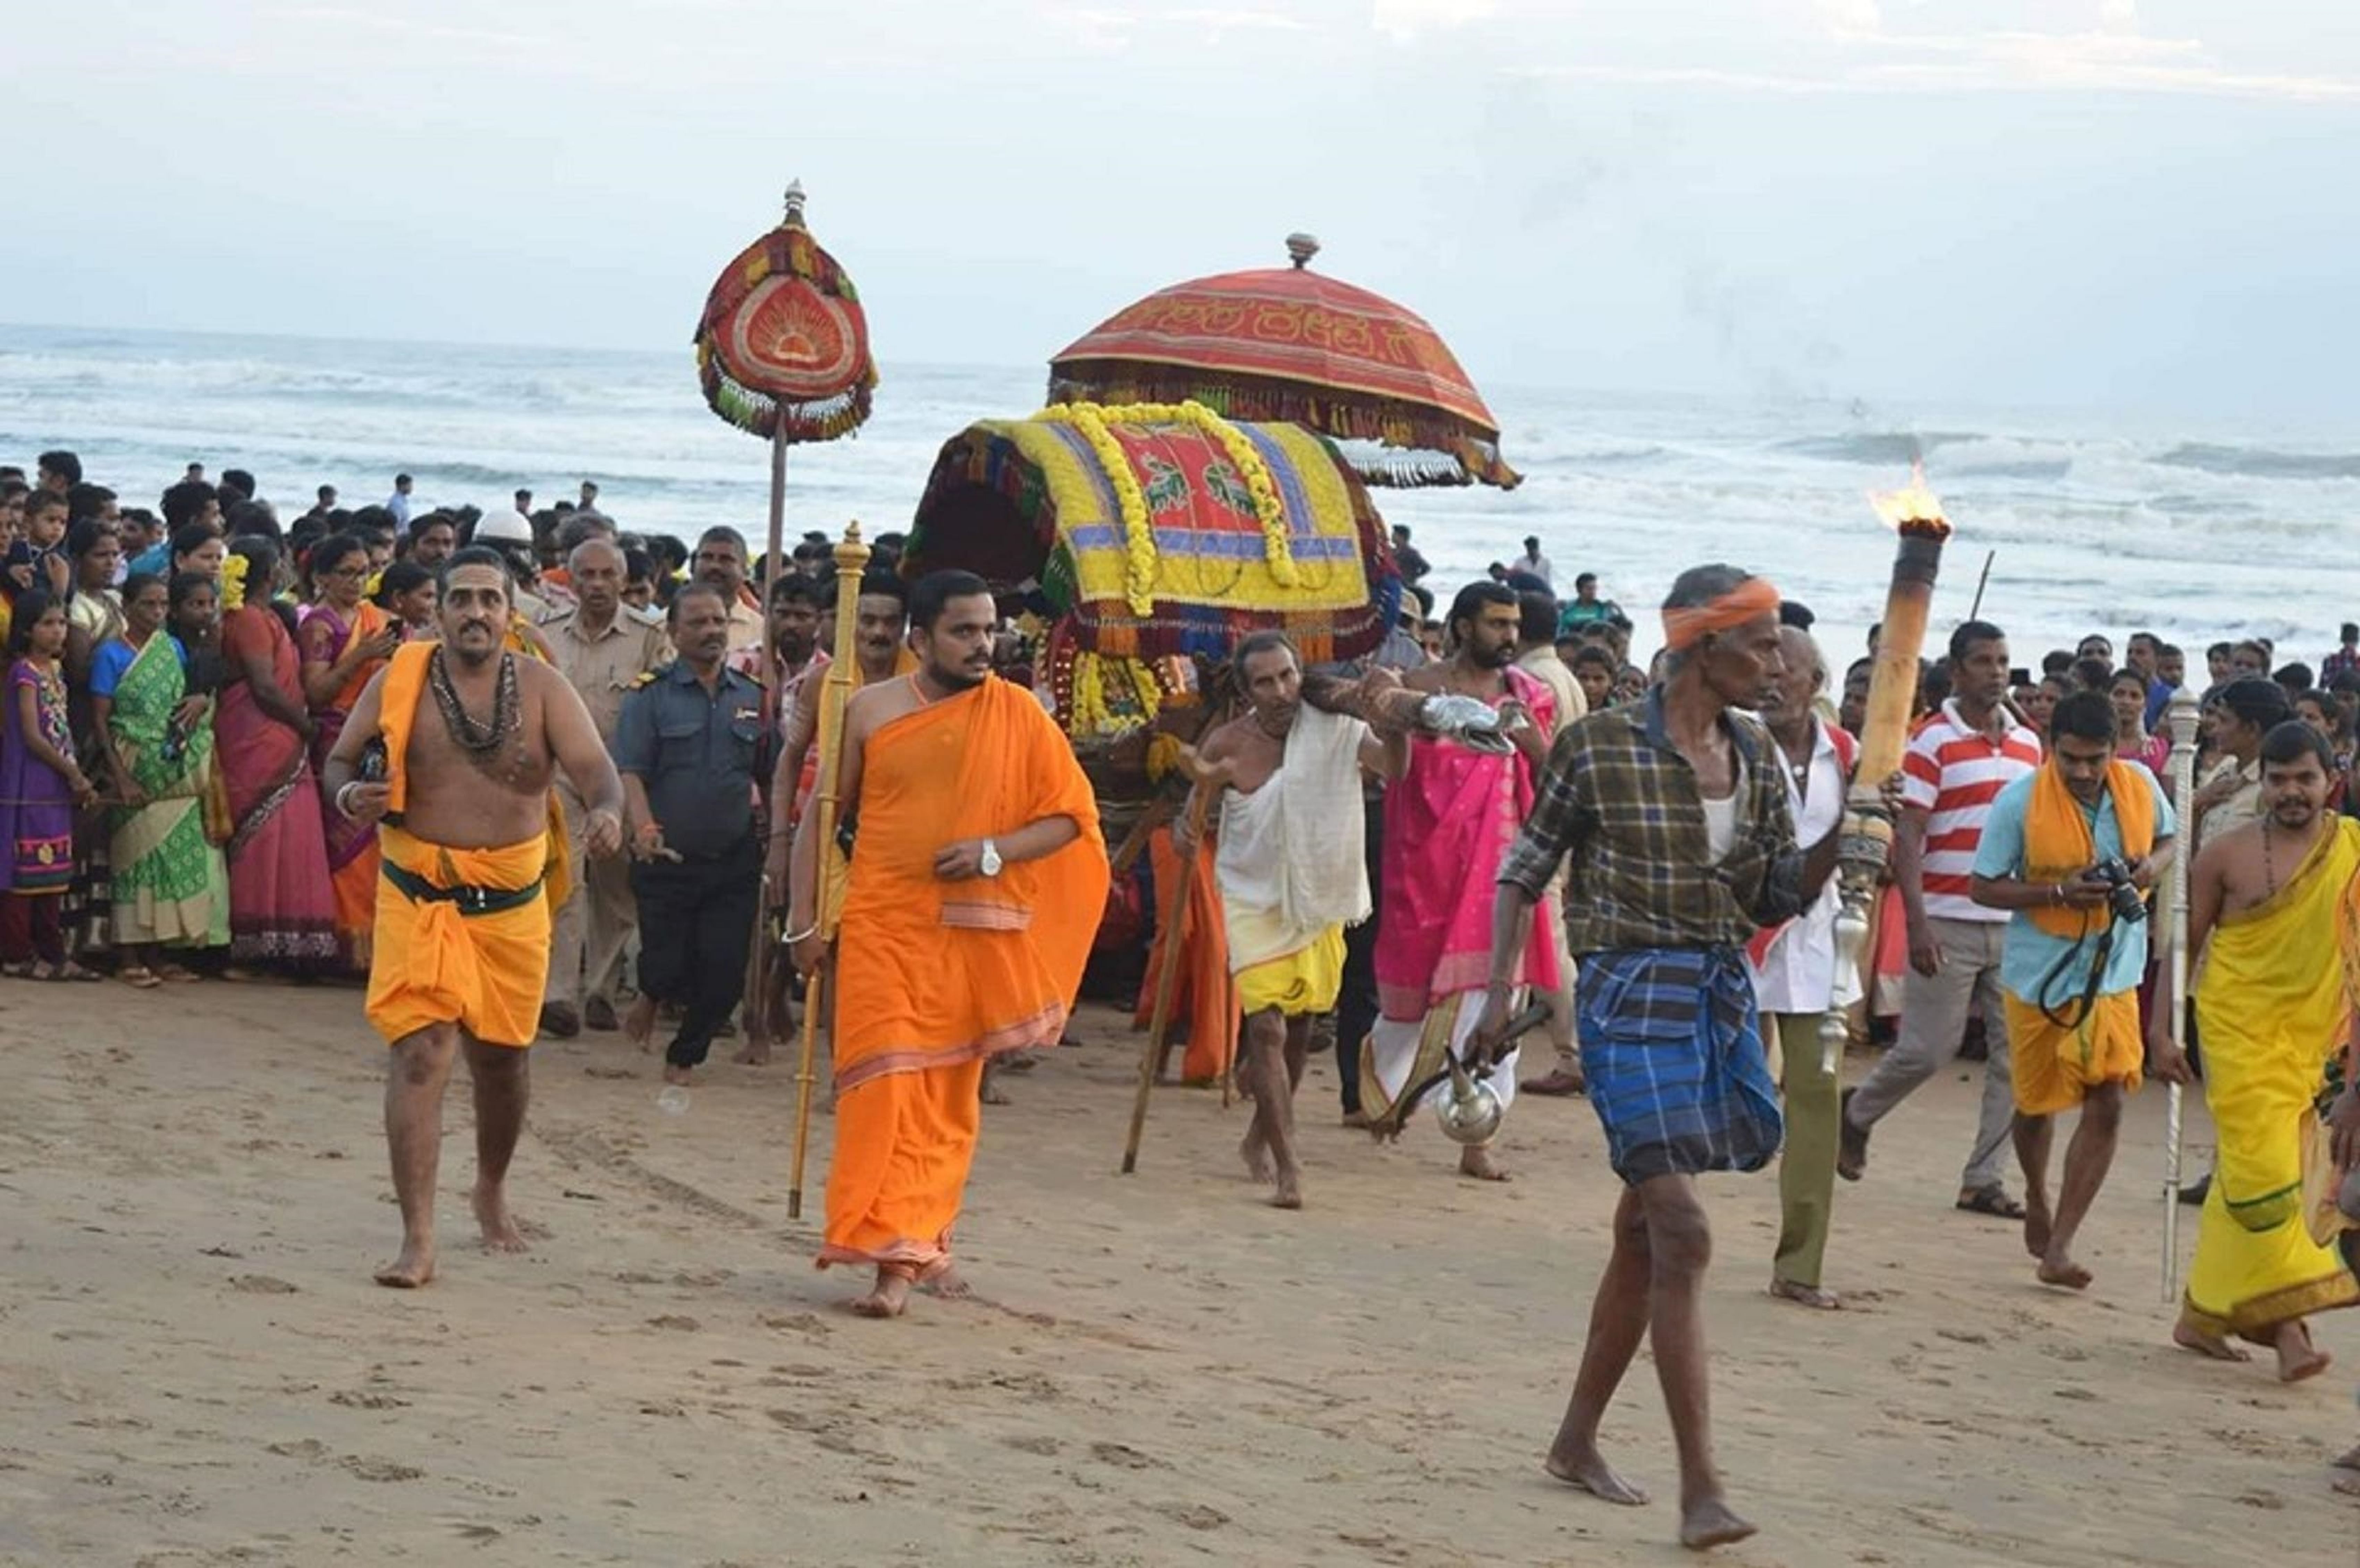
232	589
1093	714
1139	536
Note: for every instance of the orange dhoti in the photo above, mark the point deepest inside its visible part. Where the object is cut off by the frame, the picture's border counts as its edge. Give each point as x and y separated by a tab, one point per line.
461	935
1207	997
475	957
937	977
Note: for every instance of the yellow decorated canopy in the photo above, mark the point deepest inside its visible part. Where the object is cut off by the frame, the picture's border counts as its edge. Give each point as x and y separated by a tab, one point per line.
1161	530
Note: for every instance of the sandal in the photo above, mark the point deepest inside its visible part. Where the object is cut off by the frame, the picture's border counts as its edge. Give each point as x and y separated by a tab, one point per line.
21	970
1991	1200
177	974
138	977
70	970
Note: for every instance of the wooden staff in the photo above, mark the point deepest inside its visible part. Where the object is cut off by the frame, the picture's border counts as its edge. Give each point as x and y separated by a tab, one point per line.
1167	979
2182	718
835	690
758	969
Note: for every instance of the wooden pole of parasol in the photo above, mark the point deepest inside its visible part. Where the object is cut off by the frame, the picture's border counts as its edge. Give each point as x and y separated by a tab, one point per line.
757	970
1167	979
2182	713
835	690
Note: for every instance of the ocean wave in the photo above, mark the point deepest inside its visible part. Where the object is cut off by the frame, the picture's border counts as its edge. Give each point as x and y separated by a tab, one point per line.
2260	462
1880	449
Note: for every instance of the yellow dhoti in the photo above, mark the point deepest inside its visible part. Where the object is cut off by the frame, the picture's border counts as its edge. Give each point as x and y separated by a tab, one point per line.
1298	983
2273	1008
2055	1064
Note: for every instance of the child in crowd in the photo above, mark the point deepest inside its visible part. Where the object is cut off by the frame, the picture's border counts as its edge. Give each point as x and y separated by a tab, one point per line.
41	786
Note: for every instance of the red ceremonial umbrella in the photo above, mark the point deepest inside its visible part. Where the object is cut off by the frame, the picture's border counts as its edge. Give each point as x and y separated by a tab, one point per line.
1289	344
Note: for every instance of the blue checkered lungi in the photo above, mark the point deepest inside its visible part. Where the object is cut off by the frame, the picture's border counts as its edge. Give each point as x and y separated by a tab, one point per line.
1672	1048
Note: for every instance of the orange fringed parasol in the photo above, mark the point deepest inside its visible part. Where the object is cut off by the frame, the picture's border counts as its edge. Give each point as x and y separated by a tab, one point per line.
783	347
1289	344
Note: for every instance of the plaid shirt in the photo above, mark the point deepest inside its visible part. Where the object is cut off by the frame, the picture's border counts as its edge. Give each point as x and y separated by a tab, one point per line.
1620	802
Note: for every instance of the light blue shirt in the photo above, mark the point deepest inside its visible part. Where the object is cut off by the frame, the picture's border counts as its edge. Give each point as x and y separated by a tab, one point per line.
2031	954
398	504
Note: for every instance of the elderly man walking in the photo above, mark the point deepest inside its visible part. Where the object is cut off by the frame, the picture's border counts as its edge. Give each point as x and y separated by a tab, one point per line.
1672	815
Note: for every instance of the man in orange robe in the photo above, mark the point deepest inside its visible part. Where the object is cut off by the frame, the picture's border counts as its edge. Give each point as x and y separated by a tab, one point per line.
978	876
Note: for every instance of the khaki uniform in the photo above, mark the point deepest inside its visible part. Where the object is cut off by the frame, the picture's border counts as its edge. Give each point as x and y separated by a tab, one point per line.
595	924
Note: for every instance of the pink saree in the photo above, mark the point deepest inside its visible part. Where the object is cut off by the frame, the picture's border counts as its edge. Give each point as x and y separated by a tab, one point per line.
1448	823
281	907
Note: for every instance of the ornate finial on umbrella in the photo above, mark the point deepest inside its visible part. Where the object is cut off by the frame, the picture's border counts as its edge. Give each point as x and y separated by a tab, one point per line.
1301	247
794	219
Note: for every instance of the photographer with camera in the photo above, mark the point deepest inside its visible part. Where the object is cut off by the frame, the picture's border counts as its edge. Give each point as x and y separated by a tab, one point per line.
2070	852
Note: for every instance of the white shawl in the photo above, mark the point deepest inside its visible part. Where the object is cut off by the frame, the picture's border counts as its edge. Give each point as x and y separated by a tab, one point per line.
1292	857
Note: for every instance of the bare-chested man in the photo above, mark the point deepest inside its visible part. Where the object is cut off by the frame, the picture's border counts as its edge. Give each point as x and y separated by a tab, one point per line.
471	738
2271	896
1291	869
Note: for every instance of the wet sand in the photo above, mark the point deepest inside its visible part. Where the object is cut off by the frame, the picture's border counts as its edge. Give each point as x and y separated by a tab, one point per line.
196	1368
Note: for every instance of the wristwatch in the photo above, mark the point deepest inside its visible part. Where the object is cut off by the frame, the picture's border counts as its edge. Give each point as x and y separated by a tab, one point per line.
990	863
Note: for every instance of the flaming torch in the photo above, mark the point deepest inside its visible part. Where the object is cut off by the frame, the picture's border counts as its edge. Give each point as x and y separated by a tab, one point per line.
1916	516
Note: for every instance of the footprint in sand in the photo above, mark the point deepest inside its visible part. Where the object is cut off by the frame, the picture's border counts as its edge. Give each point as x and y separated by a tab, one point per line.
1044	1446
261	1285
1124	1456
675	1321
381	1469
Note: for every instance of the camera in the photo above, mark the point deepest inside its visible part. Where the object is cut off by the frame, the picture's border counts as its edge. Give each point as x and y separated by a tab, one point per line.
2123	901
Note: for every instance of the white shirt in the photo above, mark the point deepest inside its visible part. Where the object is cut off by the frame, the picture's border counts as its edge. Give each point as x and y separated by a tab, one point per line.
1538	565
398	504
1798	975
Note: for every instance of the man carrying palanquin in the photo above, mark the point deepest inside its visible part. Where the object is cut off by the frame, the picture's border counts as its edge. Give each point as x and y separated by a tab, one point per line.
2277	901
977	879
1290	867
473	734
1448	822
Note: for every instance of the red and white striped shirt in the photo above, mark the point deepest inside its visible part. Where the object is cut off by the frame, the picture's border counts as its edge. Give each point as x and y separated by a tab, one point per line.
1953	772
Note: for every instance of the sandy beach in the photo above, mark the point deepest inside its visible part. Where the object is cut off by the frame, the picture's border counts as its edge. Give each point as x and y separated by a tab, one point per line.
196	1369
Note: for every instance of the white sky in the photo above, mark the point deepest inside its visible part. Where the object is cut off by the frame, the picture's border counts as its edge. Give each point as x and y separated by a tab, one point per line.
2075	201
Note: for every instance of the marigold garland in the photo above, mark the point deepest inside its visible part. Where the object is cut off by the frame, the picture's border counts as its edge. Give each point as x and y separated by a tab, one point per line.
1091	420
1096	699
232	588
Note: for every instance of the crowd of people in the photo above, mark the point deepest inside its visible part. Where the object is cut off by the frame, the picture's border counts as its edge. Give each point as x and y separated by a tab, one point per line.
532	775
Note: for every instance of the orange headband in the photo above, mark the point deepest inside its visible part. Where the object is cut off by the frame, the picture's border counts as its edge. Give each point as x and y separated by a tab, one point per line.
1691	624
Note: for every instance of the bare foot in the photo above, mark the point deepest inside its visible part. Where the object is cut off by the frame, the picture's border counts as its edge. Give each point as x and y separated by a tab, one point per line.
639	1023
992	1093
2349	1461
1708	1522
1477	1162
753	1053
414	1267
1257	1158
1585	1469
949	1284
887	1299
683	1076
2059	1268
2188	1338
2298	1357
2036	1224
1290	1191
500	1230
1805	1295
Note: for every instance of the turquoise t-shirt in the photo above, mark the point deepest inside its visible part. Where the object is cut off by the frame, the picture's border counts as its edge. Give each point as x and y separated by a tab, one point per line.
2030	954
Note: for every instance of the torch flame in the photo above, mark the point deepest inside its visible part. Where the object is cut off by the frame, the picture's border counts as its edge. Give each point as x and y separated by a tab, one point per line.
1913	510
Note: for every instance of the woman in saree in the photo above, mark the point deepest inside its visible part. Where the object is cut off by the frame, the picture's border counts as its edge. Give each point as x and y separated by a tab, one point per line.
344	641
170	886
93	619
281	906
